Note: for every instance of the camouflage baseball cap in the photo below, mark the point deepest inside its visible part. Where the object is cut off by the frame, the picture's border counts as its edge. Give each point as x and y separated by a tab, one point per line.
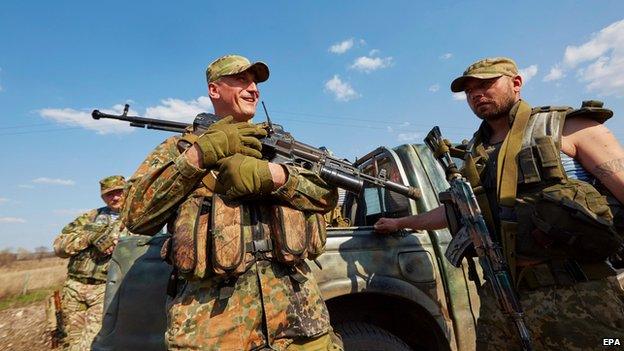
491	67
232	64
111	183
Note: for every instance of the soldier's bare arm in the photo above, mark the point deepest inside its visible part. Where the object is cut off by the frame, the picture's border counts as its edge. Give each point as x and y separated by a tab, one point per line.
73	237
598	151
434	219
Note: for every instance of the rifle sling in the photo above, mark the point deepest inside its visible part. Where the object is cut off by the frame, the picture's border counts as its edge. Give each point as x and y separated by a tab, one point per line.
507	179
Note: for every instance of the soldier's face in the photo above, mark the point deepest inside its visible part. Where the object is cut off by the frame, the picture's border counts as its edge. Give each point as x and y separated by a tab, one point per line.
492	98
114	199
235	95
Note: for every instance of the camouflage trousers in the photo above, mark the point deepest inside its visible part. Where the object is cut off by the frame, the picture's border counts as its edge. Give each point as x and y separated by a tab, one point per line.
264	307
576	317
82	306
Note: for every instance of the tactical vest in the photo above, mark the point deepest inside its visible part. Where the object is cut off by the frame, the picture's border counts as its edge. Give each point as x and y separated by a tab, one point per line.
90	264
549	216
212	236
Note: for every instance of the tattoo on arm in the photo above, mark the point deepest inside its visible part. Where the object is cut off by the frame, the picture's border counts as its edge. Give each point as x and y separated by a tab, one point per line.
608	168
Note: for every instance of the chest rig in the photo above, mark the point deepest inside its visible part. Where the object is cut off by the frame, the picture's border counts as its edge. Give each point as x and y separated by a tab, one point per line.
215	237
536	209
90	265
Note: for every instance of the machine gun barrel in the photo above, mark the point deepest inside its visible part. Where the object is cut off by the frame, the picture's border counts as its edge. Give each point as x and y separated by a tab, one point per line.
280	147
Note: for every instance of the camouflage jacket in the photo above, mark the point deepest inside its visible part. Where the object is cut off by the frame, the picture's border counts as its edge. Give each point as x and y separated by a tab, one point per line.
264	292
85	261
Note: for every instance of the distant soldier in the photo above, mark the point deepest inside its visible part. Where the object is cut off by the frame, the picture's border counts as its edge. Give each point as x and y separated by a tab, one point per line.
89	241
533	172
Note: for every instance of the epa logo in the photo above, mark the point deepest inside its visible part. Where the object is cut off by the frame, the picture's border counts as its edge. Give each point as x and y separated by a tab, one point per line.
611	342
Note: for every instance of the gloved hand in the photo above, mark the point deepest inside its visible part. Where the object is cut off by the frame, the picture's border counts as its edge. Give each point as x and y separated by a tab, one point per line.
224	139
100	237
243	176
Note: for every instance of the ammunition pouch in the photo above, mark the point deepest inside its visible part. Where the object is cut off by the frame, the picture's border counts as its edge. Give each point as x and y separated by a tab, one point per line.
214	236
569	220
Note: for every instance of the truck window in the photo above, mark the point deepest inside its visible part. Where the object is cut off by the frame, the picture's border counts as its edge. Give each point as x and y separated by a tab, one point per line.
377	202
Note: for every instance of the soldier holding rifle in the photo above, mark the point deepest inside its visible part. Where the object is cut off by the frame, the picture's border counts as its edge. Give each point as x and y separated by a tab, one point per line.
533	173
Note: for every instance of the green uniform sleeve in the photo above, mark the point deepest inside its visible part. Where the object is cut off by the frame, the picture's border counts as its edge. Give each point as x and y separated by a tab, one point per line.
160	183
306	191
74	237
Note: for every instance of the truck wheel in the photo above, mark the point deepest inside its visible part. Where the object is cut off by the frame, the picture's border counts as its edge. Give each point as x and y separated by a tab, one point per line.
359	336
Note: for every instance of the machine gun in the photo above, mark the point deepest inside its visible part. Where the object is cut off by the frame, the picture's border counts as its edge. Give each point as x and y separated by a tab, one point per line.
280	147
471	230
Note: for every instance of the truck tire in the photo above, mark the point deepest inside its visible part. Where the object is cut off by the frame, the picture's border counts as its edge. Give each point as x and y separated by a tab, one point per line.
359	336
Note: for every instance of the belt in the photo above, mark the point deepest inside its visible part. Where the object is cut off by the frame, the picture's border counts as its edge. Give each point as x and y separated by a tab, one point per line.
564	272
90	281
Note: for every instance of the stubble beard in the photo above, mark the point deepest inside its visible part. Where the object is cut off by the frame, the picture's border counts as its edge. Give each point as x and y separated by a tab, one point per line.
500	111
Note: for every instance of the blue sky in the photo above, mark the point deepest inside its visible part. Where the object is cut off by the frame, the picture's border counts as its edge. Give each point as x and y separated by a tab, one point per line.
350	75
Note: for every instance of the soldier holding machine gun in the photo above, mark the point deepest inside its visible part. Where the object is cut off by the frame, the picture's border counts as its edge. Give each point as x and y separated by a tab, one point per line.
241	228
551	230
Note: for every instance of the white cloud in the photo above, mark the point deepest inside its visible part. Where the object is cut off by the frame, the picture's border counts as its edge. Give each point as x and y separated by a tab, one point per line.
70	211
53	181
3	200
342	90
407	137
390	129
368	64
179	110
373	52
26	186
342	47
434	88
555	73
12	220
459	96
599	62
80	118
528	72
446	56
405	124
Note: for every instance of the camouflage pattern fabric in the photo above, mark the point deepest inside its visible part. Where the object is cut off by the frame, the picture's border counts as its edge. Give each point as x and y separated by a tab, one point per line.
267	305
82	306
85	261
575	317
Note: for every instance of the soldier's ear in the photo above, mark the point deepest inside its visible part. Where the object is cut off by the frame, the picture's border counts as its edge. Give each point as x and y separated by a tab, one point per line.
213	91
517	83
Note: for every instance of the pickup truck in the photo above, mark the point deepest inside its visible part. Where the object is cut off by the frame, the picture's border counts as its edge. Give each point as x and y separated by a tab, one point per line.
384	292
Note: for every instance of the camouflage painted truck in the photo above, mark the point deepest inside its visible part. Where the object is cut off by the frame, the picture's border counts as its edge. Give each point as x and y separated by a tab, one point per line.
384	292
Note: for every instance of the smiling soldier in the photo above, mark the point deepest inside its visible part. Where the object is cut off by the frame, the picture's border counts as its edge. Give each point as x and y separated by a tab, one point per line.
241	228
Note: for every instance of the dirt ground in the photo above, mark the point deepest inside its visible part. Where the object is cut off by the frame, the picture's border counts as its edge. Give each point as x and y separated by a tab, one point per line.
23	328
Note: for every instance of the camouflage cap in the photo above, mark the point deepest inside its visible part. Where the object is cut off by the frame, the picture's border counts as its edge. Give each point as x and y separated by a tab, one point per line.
490	67
111	183
232	64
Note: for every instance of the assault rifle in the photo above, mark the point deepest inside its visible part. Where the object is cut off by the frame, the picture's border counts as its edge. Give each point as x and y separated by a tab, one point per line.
280	147
470	229
55	320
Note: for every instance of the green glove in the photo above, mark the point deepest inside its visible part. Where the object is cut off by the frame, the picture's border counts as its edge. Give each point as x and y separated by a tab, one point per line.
244	177
224	139
99	236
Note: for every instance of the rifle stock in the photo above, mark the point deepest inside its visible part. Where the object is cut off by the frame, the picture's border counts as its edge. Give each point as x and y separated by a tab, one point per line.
280	147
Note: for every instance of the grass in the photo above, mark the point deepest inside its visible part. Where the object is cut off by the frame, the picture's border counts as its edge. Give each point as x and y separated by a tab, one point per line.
24	281
26	299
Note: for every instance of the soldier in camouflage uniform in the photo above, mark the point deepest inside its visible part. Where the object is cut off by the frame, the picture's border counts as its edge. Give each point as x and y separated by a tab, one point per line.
89	241
532	176
238	288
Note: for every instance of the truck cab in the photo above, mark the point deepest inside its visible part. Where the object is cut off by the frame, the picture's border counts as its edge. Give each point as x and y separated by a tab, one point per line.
383	292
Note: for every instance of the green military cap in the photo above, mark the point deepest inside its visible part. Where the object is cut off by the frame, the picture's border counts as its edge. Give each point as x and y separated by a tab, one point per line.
491	67
232	64
111	183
